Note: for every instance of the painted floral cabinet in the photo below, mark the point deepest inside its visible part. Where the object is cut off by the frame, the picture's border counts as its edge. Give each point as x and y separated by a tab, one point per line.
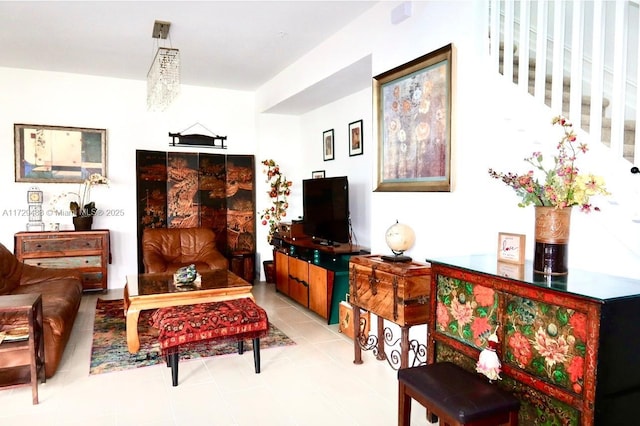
567	344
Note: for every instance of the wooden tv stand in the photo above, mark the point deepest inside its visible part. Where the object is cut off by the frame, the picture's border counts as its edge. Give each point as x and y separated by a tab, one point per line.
314	275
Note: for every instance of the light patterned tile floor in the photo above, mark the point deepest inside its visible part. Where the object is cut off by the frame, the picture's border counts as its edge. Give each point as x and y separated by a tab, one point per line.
312	383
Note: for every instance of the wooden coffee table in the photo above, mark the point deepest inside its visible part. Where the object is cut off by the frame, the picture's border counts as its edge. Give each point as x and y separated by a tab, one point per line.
157	290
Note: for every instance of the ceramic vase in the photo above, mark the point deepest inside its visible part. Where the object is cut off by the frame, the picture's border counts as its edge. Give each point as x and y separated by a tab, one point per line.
82	223
552	228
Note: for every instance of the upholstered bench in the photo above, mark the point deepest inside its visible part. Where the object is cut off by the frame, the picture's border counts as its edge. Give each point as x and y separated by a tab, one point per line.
230	320
455	395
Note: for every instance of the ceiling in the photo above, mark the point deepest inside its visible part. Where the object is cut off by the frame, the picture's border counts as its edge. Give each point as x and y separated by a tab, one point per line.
236	45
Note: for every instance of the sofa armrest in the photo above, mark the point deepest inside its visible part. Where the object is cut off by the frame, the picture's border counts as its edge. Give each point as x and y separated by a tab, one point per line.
153	261
34	274
212	257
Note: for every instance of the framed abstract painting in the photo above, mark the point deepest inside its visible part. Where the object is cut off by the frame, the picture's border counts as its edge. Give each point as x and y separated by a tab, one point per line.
413	108
58	154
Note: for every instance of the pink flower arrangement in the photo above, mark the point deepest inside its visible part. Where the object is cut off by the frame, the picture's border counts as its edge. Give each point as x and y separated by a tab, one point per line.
562	185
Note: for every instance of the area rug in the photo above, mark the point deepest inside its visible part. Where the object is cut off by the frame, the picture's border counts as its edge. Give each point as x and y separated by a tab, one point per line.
109	351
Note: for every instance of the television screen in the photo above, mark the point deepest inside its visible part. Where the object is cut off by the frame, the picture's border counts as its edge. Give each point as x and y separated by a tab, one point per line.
325	204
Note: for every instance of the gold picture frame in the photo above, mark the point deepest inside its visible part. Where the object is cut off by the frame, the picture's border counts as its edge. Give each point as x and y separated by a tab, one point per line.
413	108
56	154
511	248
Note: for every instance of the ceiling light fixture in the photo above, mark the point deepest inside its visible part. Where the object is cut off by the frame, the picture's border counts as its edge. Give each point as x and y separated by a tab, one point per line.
163	79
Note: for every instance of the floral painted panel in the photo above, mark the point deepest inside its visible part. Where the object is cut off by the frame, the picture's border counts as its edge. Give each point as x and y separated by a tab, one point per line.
546	340
465	311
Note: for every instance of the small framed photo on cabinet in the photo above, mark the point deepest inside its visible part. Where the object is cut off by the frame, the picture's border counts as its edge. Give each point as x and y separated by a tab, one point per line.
318	174
511	247
327	145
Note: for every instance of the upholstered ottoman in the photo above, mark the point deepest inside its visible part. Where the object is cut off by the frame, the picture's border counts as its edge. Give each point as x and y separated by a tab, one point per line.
230	320
456	396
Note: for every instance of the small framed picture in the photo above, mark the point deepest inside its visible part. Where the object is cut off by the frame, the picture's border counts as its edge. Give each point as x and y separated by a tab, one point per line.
355	138
511	248
318	174
327	145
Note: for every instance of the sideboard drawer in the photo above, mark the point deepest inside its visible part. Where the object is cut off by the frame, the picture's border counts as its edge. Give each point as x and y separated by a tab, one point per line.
85	251
69	262
36	245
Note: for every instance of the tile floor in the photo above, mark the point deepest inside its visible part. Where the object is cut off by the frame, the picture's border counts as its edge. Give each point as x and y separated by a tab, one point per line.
312	383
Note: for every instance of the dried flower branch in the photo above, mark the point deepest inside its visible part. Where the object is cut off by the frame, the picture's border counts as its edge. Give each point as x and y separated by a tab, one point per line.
278	193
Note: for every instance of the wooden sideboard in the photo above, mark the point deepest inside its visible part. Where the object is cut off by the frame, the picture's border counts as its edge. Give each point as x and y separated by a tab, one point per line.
86	251
568	344
315	276
393	291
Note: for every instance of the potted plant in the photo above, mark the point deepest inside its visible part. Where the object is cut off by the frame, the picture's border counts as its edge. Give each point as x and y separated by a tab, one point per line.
83	209
554	190
279	190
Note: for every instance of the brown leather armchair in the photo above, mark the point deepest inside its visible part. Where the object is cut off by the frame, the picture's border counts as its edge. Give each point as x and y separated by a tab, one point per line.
61	291
167	249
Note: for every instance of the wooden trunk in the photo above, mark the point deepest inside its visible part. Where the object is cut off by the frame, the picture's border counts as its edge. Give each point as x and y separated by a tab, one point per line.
396	291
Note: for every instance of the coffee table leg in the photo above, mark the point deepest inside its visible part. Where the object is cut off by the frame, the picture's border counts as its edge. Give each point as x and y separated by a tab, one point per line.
133	342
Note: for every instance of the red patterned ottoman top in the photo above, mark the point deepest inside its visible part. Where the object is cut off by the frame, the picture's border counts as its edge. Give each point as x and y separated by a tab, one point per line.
230	319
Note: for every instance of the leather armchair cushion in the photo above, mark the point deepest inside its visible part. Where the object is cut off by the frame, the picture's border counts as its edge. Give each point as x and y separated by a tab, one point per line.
167	249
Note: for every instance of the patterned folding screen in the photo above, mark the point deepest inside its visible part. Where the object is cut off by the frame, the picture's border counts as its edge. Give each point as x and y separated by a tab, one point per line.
183	190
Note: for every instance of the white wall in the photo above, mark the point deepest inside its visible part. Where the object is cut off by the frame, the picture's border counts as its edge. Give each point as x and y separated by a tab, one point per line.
119	106
490	128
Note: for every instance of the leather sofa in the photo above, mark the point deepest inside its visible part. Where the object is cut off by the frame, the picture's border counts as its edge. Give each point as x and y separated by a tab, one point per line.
167	249
61	291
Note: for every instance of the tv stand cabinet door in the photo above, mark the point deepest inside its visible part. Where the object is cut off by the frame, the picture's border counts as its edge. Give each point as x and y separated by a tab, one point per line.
282	272
299	281
319	294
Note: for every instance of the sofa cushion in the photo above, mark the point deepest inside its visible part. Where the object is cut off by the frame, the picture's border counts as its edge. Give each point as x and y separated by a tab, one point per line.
167	249
10	271
60	301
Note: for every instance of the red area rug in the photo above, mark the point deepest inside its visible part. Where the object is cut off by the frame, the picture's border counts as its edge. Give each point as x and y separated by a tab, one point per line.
109	351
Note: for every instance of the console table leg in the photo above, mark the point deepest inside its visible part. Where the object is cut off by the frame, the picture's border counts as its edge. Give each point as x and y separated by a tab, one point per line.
404	347
381	355
357	352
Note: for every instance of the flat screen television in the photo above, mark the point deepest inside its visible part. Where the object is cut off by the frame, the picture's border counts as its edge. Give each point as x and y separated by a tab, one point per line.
325	204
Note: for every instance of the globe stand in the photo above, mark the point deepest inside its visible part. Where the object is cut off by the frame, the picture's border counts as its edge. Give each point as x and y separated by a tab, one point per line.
397	257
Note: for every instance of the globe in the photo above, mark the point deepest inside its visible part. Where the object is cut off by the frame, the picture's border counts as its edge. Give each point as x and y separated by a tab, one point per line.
399	238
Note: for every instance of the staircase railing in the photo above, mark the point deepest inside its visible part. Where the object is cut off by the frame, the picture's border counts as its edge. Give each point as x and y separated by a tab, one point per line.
580	58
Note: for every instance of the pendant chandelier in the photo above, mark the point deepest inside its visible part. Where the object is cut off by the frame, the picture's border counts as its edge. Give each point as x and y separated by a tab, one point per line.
163	79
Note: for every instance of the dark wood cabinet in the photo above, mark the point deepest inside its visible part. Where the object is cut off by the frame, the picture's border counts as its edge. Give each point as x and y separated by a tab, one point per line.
568	344
86	251
243	265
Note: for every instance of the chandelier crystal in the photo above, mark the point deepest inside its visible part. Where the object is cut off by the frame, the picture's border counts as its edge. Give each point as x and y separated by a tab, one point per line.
163	79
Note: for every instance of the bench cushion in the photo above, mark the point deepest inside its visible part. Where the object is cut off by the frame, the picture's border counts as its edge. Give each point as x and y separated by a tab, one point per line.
462	395
230	319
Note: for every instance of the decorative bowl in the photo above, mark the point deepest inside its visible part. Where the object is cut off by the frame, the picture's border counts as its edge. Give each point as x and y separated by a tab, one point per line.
185	275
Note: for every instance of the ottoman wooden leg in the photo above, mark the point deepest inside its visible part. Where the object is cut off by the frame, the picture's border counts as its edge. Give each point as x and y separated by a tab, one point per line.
256	355
240	346
173	358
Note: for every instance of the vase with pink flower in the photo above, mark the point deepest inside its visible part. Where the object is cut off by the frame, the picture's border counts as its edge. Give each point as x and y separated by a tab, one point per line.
554	191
